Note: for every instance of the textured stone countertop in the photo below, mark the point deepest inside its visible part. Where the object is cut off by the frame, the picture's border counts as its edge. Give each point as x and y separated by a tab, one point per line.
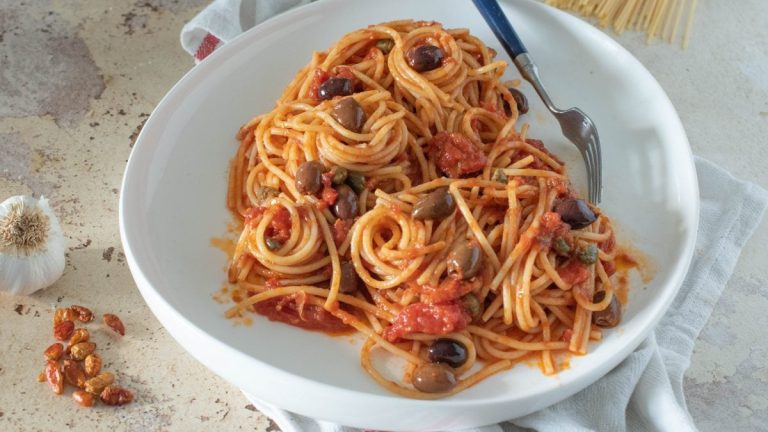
78	80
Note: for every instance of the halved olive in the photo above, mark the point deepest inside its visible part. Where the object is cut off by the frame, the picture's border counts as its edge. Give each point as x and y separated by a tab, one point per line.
349	114
611	315
350	281
424	58
309	178
345	206
437	204
520	100
575	212
464	260
434	378
335	86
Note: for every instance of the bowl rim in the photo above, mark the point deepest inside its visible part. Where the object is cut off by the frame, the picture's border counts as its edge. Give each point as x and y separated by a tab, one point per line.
175	321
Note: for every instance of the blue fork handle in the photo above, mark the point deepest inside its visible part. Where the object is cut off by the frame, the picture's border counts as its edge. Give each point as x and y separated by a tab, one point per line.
501	27
510	41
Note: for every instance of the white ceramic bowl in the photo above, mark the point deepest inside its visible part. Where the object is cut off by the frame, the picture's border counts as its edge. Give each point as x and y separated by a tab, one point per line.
173	203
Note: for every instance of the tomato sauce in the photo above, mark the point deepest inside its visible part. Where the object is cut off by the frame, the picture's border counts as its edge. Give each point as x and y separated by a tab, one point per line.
435	319
573	272
346	72
551	227
290	310
329	195
318	79
280	226
449	289
455	155
253	214
340	230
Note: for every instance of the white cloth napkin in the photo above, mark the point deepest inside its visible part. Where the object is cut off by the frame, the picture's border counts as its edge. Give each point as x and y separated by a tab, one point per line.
645	391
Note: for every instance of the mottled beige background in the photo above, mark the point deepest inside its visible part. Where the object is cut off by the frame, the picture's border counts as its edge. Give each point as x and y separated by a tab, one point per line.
79	78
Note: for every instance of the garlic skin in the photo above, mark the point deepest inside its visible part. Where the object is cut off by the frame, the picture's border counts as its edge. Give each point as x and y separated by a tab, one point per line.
31	245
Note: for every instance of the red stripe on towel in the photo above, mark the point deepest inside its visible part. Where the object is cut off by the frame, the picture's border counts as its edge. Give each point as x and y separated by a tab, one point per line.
209	43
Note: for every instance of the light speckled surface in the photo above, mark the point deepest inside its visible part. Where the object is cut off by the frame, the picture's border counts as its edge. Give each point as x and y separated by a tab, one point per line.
79	78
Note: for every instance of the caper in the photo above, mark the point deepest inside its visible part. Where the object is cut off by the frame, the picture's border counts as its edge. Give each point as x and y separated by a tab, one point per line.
472	305
561	246
356	181
264	193
273	244
339	175
500	176
385	45
588	254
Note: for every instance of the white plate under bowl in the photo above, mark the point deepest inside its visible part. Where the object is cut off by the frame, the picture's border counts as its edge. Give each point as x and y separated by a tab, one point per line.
173	203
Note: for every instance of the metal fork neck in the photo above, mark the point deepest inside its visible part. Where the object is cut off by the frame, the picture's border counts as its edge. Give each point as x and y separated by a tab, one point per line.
530	72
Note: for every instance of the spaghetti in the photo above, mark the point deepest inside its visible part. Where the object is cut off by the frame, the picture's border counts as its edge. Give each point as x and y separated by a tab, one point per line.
655	17
391	193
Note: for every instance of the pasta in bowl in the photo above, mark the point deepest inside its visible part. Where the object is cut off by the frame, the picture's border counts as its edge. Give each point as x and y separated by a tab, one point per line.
393	190
173	208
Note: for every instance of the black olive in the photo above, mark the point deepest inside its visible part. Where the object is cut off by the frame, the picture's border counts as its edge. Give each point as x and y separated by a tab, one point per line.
345	206
437	204
335	86
575	212
425	58
434	378
611	315
464	260
349	114
447	351
309	178
350	281
520	100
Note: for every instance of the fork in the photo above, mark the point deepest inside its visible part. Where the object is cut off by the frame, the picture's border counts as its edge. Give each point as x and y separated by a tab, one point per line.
575	125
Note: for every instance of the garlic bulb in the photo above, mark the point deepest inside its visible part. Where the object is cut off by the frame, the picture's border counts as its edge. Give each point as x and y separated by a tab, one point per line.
31	245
